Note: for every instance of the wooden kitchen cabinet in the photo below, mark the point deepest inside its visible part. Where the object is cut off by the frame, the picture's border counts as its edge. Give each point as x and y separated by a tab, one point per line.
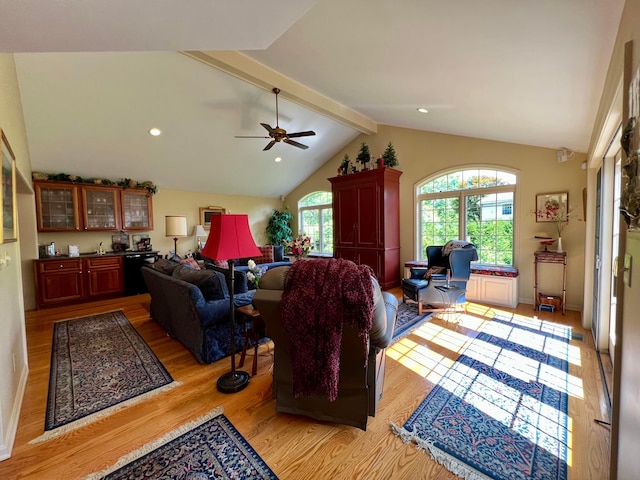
66	207
61	281
137	213
104	275
366	216
57	207
101	208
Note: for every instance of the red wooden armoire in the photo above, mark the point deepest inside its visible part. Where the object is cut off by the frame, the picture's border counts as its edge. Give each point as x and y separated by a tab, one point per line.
366	221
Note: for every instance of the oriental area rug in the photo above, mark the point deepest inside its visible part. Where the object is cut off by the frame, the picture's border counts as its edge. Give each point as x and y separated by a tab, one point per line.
500	411
207	448
99	364
408	320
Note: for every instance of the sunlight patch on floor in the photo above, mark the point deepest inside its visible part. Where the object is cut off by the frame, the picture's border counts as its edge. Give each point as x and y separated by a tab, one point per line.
420	359
539	423
534	420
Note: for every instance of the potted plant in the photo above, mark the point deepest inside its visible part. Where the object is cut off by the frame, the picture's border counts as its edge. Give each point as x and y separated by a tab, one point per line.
279	227
389	156
364	156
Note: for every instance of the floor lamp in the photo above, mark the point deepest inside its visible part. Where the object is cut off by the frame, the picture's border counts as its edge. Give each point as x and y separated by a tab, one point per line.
230	238
175	226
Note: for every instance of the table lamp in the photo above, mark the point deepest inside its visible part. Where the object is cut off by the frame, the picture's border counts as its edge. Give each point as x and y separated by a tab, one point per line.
198	231
175	226
230	238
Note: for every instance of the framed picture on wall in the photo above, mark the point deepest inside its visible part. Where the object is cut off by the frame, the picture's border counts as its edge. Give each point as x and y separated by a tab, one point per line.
552	207
8	193
207	212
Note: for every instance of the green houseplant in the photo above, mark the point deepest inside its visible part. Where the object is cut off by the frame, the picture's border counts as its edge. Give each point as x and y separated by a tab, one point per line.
279	227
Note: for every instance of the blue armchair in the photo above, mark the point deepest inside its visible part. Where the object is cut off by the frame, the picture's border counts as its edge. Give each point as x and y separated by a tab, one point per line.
429	287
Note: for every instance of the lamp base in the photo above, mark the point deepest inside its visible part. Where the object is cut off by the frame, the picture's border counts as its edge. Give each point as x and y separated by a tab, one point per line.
232	382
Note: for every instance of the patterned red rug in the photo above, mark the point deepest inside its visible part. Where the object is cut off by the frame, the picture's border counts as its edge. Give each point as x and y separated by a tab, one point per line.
99	364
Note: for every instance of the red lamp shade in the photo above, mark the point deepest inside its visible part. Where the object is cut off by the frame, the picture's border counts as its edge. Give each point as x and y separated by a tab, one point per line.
230	238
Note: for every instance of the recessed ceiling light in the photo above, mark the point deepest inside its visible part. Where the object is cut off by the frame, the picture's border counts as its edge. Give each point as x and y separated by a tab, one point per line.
155	131
278	159
423	110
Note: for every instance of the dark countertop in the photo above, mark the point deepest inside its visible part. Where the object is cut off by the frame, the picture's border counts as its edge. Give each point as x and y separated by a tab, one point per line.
96	254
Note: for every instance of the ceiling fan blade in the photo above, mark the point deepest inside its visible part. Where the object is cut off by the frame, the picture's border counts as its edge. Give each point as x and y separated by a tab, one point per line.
295	144
308	133
268	127
269	145
248	136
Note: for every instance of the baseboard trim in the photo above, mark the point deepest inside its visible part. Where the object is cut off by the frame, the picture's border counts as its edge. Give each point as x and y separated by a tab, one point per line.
9	436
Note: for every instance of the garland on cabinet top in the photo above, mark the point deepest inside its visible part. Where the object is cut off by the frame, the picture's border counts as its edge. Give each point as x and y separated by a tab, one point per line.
387	159
124	183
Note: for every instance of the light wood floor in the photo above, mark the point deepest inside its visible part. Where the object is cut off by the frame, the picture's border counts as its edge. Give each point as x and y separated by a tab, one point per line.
294	447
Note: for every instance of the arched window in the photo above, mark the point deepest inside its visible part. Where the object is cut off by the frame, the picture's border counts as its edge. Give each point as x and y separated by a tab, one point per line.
316	220
475	205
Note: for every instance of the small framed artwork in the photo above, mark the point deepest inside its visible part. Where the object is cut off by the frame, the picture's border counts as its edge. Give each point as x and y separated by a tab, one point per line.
8	193
552	207
207	212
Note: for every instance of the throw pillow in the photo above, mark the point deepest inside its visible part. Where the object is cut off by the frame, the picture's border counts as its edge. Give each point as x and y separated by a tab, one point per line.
433	270
165	265
209	282
190	262
278	253
221	263
267	254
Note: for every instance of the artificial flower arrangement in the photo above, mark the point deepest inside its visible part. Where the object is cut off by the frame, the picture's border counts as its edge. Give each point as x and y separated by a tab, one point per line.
300	246
255	272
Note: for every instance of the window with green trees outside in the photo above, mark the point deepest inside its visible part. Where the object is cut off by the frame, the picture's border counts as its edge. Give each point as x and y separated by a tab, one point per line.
316	220
475	205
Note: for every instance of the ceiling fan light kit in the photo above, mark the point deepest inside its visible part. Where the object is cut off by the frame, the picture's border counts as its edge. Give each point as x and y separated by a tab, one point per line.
278	134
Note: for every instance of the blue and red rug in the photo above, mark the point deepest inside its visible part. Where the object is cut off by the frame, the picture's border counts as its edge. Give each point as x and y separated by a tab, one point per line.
500	412
207	448
99	364
408	320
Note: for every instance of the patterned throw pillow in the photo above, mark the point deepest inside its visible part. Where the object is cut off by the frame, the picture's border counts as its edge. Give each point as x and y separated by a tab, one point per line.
190	262
221	263
267	254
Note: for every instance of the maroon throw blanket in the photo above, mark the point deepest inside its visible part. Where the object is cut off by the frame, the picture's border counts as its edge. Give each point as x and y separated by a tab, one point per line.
320	296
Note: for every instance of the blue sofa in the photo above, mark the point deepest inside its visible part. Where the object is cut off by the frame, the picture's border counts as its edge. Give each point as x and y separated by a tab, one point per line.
193	307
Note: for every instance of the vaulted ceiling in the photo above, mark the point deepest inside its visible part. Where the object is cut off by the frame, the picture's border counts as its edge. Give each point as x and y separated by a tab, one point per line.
95	77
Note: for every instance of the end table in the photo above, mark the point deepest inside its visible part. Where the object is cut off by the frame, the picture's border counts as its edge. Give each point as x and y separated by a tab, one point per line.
254	330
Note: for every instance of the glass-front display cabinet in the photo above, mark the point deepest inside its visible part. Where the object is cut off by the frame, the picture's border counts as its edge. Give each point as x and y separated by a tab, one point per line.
57	207
101	208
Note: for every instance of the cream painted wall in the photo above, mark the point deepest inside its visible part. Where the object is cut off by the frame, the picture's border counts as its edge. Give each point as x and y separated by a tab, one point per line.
422	154
625	420
13	348
176	202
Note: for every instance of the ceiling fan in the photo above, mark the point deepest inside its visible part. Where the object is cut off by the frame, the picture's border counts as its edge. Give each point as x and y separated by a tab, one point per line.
280	134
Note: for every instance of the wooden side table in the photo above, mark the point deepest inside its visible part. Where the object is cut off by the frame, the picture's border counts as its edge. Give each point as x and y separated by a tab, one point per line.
545	256
254	330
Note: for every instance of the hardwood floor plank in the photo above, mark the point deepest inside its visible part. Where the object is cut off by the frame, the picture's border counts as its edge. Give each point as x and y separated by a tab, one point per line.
294	447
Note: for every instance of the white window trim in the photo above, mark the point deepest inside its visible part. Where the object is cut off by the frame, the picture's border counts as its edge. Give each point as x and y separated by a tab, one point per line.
419	197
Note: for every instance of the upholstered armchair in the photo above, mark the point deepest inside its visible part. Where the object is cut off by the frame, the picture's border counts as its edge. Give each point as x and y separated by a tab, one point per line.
361	358
429	286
